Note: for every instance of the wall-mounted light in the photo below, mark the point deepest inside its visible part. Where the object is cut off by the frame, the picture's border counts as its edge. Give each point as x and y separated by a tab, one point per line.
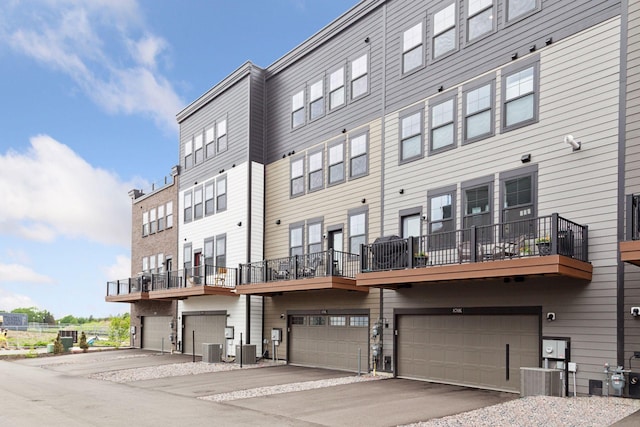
344	131
576	145
364	200
240	224
514	56
282	315
277	222
441	88
548	41
532	48
635	311
526	158
551	316
366	40
401	191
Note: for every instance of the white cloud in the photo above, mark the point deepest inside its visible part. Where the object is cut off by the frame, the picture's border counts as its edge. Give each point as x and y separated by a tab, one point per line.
85	40
120	270
50	191
16	273
10	301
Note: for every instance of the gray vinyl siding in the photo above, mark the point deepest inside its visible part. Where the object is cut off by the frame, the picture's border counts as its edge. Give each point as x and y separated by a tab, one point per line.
556	19
303	71
632	171
257	115
229	99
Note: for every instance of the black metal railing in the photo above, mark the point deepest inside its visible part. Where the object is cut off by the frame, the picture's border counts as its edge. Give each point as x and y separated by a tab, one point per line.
204	275
633	217
317	264
540	236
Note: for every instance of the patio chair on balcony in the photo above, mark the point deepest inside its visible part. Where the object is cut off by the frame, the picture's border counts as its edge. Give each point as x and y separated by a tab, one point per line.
282	273
220	276
464	252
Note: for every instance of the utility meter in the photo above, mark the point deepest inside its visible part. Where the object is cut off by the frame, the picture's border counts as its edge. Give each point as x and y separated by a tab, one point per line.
276	334
228	332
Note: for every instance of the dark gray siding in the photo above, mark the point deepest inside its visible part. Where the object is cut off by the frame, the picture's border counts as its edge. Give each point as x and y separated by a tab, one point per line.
338	50
257	116
231	102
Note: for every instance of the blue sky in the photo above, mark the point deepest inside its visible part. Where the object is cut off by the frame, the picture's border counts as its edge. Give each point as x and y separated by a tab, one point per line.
89	90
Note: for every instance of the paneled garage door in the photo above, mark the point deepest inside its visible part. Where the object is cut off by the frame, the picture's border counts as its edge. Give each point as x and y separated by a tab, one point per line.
206	329
154	330
484	351
329	341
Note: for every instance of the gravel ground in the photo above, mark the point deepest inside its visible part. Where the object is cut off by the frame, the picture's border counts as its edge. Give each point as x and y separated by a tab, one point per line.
543	411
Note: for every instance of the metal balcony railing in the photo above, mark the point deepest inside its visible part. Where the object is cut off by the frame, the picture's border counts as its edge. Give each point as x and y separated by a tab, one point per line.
204	275
540	236
317	264
633	217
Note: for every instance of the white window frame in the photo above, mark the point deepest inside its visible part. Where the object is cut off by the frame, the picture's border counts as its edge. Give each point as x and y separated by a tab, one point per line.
145	223
153	225
187	198
298	117
161	219
169	211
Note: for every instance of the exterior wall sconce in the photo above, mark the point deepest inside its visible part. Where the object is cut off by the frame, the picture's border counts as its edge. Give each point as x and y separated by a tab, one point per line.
277	222
401	191
514	56
240	224
551	316
364	201
576	145
532	48
548	41
526	158
441	88
635	311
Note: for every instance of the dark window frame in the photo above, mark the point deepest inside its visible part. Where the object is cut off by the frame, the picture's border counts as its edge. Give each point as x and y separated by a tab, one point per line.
350	214
510	21
447	241
468	19
366	75
455	27
311	173
311	102
355	135
187	210
471	87
221	198
342	144
435	102
533	62
422	45
293	180
297	226
405	114
300	111
475	184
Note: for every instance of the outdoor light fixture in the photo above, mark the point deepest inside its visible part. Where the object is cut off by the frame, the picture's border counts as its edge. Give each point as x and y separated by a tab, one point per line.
240	224
401	191
526	158
364	200
551	316
576	145
277	222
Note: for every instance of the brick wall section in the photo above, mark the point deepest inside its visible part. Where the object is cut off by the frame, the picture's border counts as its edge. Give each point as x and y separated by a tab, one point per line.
151	308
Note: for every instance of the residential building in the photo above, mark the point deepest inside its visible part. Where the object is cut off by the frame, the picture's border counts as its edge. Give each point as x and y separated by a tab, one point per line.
431	188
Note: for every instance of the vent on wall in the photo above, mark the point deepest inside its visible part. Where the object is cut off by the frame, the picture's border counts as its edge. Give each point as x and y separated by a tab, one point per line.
541	382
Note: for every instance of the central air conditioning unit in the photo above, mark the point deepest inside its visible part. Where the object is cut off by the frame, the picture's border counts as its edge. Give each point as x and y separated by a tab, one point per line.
541	382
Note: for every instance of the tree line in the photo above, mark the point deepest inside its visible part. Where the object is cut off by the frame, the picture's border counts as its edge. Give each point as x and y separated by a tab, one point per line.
34	314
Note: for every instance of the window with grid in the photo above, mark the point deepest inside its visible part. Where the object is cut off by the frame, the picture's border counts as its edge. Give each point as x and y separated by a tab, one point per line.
221	251
518	198
221	198
477	210
358	163
336	163
197	203
480	18
410	226
316	174
295	240
317	320
210	141
359	76
145	223
209	207
161	220
188	154
412	48
338	320
297	109
359	321
188	207
443	125
441	213
297	177
199	148
519	98
169	214
314	238
444	31
519	8
222	135
336	89
153	225
316	100
145	264
208	251
357	231
411	136
478	113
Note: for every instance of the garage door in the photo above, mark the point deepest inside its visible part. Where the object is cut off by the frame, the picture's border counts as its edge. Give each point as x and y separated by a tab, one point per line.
484	351
154	330
329	341
205	328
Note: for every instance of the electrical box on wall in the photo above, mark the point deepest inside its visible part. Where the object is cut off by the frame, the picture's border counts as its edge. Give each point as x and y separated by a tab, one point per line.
228	332
554	349
276	334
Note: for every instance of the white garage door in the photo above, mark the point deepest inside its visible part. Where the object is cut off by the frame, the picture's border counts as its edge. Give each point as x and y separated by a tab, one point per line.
484	351
329	341
155	329
207	328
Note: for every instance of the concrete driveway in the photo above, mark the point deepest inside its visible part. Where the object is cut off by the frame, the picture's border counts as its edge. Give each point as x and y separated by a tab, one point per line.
47	388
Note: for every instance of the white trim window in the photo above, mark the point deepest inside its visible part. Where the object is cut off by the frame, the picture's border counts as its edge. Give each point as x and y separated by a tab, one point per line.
188	154
336	163
199	149
152	221
161	220
209	207
316	100
520	97
336	89
145	223
443	125
411	136
222	135
480	18
297	109
169	214
413	48
444	31
197	203
209	140
358	162
316	175
297	177
359	76
221	198
188	208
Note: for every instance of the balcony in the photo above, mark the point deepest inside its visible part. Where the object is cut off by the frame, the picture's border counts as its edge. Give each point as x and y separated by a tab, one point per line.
320	270
127	290
193	282
535	247
630	248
